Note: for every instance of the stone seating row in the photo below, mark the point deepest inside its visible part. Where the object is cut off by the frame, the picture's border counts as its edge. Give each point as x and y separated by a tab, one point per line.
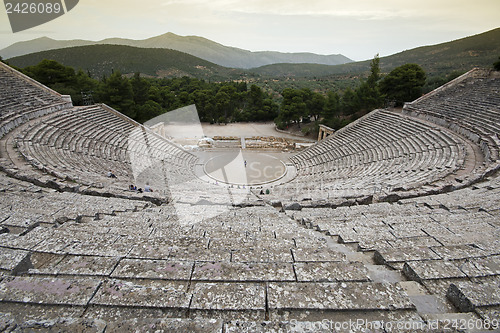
23	99
446	242
92	140
451	106
245	262
382	148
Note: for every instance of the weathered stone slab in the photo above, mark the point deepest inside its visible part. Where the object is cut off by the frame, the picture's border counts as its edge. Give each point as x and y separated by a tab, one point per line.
148	293
262	254
491	315
337	296
77	325
431	270
104	246
200	254
7	322
405	230
317	254
459	252
331	271
44	263
166	325
468	295
413	242
112	314
384	256
149	250
86	265
23	312
153	269
51	291
28	241
277	327
478	267
228	296
235	271
10	259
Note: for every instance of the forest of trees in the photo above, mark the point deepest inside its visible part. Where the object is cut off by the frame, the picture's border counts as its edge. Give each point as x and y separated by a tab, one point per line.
145	98
336	110
222	102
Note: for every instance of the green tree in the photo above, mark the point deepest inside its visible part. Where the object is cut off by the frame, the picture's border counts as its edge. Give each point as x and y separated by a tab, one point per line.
49	72
350	102
140	87
368	92
404	83
316	105
117	92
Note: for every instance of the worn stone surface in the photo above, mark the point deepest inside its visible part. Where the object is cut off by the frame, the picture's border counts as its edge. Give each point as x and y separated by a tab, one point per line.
432	269
228	296
86	265
153	269
337	296
44	263
459	252
77	325
405	254
491	314
317	254
331	271
237	326
467	296
166	325
48	290
262	254
10	259
161	294
478	267
23	312
234	271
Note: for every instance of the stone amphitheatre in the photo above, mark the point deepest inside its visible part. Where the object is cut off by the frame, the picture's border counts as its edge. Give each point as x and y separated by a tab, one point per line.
391	224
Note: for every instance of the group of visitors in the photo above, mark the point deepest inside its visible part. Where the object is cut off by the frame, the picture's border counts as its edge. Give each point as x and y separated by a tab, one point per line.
147	188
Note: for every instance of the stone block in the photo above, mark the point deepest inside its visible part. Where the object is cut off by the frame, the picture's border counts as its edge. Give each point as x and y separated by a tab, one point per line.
52	291
153	269
228	297
361	296
10	258
146	293
459	252
236	271
310	254
432	270
386	256
165	325
469	295
77	325
331	271
478	267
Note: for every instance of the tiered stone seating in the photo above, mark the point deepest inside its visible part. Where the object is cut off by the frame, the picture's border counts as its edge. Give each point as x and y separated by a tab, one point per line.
217	259
84	143
379	153
468	105
248	264
23	99
447	243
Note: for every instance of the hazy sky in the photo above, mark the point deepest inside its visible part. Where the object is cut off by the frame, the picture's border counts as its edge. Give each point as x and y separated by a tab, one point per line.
358	29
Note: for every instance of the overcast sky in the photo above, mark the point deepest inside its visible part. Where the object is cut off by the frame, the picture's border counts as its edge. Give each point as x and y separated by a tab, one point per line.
358	29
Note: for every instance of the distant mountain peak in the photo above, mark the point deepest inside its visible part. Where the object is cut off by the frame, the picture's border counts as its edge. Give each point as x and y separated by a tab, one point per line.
197	46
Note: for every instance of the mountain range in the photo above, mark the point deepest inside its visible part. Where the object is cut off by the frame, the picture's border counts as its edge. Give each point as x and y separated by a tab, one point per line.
440	60
197	46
